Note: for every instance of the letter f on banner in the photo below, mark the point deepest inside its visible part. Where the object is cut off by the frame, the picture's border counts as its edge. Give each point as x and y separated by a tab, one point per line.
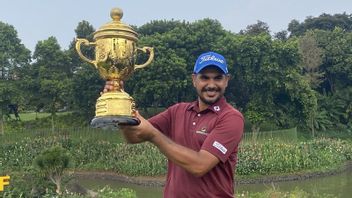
4	181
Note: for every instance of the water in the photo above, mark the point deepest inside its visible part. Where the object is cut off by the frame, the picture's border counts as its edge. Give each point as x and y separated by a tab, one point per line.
142	191
338	185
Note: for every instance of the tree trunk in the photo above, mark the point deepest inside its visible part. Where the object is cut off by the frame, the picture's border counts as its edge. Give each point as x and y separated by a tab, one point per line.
2	131
255	131
312	124
52	124
57	181
58	188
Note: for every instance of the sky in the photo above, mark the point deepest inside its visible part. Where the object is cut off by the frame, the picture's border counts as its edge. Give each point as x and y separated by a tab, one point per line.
37	20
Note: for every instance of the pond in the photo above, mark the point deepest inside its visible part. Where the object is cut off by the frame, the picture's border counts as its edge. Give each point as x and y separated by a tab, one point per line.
338	185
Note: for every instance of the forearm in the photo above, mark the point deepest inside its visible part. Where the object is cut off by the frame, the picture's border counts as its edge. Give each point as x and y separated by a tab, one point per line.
192	161
197	163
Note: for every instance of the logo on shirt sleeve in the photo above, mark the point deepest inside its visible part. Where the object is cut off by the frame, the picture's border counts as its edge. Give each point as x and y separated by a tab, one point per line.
220	147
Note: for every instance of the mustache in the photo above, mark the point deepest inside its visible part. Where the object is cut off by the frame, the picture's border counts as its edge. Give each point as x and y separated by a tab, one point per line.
210	89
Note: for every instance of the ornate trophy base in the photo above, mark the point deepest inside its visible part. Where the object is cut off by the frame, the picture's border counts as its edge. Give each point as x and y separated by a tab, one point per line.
114	109
113	121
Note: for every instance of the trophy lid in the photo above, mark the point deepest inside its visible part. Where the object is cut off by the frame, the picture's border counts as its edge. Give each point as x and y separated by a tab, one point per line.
116	28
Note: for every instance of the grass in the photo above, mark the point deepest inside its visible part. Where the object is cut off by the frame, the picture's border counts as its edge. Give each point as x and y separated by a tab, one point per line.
28	116
75	134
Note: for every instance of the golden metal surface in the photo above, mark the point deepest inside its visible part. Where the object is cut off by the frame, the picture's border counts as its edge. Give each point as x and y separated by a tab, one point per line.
114	103
115	59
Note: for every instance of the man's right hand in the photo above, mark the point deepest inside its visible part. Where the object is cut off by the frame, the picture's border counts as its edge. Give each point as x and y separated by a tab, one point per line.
112	86
145	131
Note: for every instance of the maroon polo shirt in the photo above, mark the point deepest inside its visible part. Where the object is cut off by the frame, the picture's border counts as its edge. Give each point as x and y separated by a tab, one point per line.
218	130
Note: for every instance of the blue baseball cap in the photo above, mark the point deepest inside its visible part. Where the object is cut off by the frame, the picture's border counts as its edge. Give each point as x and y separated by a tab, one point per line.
210	59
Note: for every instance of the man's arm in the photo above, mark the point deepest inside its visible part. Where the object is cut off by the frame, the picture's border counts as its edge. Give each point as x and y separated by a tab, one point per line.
197	163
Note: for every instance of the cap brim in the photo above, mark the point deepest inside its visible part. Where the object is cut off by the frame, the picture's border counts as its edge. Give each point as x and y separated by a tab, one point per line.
215	64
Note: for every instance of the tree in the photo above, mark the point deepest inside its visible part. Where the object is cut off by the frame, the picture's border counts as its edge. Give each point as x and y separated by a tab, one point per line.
255	29
311	59
83	30
48	79
13	54
282	35
86	86
52	164
337	60
158	27
323	22
295	28
265	78
13	57
87	83
162	84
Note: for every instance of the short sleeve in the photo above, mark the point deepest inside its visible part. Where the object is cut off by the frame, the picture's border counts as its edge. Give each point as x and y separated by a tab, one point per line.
162	121
225	137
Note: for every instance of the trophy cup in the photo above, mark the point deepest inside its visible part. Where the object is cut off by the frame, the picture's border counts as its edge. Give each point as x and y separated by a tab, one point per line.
115	59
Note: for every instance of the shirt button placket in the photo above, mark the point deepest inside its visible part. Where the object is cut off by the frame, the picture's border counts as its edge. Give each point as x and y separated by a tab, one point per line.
195	120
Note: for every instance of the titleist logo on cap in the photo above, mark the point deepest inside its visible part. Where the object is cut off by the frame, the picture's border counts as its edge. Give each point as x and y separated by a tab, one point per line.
211	57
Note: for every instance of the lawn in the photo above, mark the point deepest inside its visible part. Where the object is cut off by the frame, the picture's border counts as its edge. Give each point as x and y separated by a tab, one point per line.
33	115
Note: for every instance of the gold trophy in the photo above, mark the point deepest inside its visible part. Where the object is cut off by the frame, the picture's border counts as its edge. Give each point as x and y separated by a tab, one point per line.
115	59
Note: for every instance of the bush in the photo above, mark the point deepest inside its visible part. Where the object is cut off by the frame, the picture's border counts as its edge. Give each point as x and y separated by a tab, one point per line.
52	164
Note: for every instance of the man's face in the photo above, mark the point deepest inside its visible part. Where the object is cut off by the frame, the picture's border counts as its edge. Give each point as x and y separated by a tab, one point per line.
210	84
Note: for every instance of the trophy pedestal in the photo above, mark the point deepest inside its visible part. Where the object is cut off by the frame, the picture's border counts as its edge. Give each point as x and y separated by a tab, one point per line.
113	121
114	109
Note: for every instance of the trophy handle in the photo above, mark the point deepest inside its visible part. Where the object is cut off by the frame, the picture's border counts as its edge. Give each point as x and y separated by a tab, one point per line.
80	41
151	56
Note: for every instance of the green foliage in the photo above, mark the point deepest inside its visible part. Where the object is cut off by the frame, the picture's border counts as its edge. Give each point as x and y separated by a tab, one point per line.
158	27
86	82
144	159
272	66
49	75
311	59
272	157
107	192
334	111
337	59
53	161
13	54
268	84
323	22
168	79
283	135
265	158
28	183
273	193
256	29
9	94
86	87
52	164
43	121
154	87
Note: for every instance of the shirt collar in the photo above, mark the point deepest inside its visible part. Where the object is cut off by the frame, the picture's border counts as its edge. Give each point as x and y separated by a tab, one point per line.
216	107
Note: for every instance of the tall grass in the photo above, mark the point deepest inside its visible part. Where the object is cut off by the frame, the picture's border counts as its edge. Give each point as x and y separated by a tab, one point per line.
270	157
285	135
72	133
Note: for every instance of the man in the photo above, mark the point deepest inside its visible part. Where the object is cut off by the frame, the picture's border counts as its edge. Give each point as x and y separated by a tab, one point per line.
200	139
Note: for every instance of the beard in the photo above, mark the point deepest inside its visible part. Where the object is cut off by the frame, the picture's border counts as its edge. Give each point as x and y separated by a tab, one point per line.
210	101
